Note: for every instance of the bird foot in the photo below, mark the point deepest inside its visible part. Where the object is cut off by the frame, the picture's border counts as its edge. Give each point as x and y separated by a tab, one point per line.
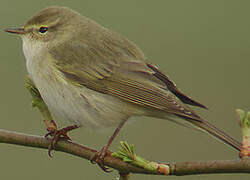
57	135
99	159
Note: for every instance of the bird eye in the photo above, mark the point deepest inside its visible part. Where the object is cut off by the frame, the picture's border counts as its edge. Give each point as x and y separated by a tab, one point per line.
43	29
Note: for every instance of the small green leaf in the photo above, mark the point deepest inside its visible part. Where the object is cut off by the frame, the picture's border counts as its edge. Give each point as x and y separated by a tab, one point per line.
127	154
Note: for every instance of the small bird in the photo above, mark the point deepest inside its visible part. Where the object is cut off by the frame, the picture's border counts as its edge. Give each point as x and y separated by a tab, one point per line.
94	77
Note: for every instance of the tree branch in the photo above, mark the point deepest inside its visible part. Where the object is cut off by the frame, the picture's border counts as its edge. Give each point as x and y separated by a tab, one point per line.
126	161
178	168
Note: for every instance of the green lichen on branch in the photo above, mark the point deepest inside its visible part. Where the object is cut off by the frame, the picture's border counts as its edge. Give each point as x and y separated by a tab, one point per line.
128	155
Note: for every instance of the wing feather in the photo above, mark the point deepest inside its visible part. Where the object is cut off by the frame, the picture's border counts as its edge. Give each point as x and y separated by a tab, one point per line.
119	74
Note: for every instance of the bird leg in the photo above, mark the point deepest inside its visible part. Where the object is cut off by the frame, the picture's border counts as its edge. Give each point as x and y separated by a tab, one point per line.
100	155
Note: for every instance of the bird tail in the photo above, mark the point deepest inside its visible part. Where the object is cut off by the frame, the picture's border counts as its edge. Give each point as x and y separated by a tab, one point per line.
217	133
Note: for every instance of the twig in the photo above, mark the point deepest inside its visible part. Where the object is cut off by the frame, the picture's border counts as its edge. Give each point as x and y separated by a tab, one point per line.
179	168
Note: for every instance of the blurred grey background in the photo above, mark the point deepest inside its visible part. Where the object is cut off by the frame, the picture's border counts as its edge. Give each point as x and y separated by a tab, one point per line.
202	45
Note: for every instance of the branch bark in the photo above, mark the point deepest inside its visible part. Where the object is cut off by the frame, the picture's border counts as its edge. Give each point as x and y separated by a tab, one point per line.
176	168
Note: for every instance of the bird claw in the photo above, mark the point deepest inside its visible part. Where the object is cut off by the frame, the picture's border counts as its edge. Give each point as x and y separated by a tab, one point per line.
99	159
57	135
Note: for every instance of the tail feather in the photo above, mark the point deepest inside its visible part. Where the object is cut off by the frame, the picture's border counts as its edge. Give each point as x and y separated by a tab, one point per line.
219	134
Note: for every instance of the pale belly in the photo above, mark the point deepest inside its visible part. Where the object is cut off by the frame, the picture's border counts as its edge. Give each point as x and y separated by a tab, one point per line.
81	105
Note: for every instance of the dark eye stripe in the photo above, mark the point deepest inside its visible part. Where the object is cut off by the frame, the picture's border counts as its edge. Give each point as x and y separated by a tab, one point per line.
43	29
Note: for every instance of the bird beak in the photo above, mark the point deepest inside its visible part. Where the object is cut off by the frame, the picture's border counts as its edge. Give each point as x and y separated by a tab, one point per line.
16	30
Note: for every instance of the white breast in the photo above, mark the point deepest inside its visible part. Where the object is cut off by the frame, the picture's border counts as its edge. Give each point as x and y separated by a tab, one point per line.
32	50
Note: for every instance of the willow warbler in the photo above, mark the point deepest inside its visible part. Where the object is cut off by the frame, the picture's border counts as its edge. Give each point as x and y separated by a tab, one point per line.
94	77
